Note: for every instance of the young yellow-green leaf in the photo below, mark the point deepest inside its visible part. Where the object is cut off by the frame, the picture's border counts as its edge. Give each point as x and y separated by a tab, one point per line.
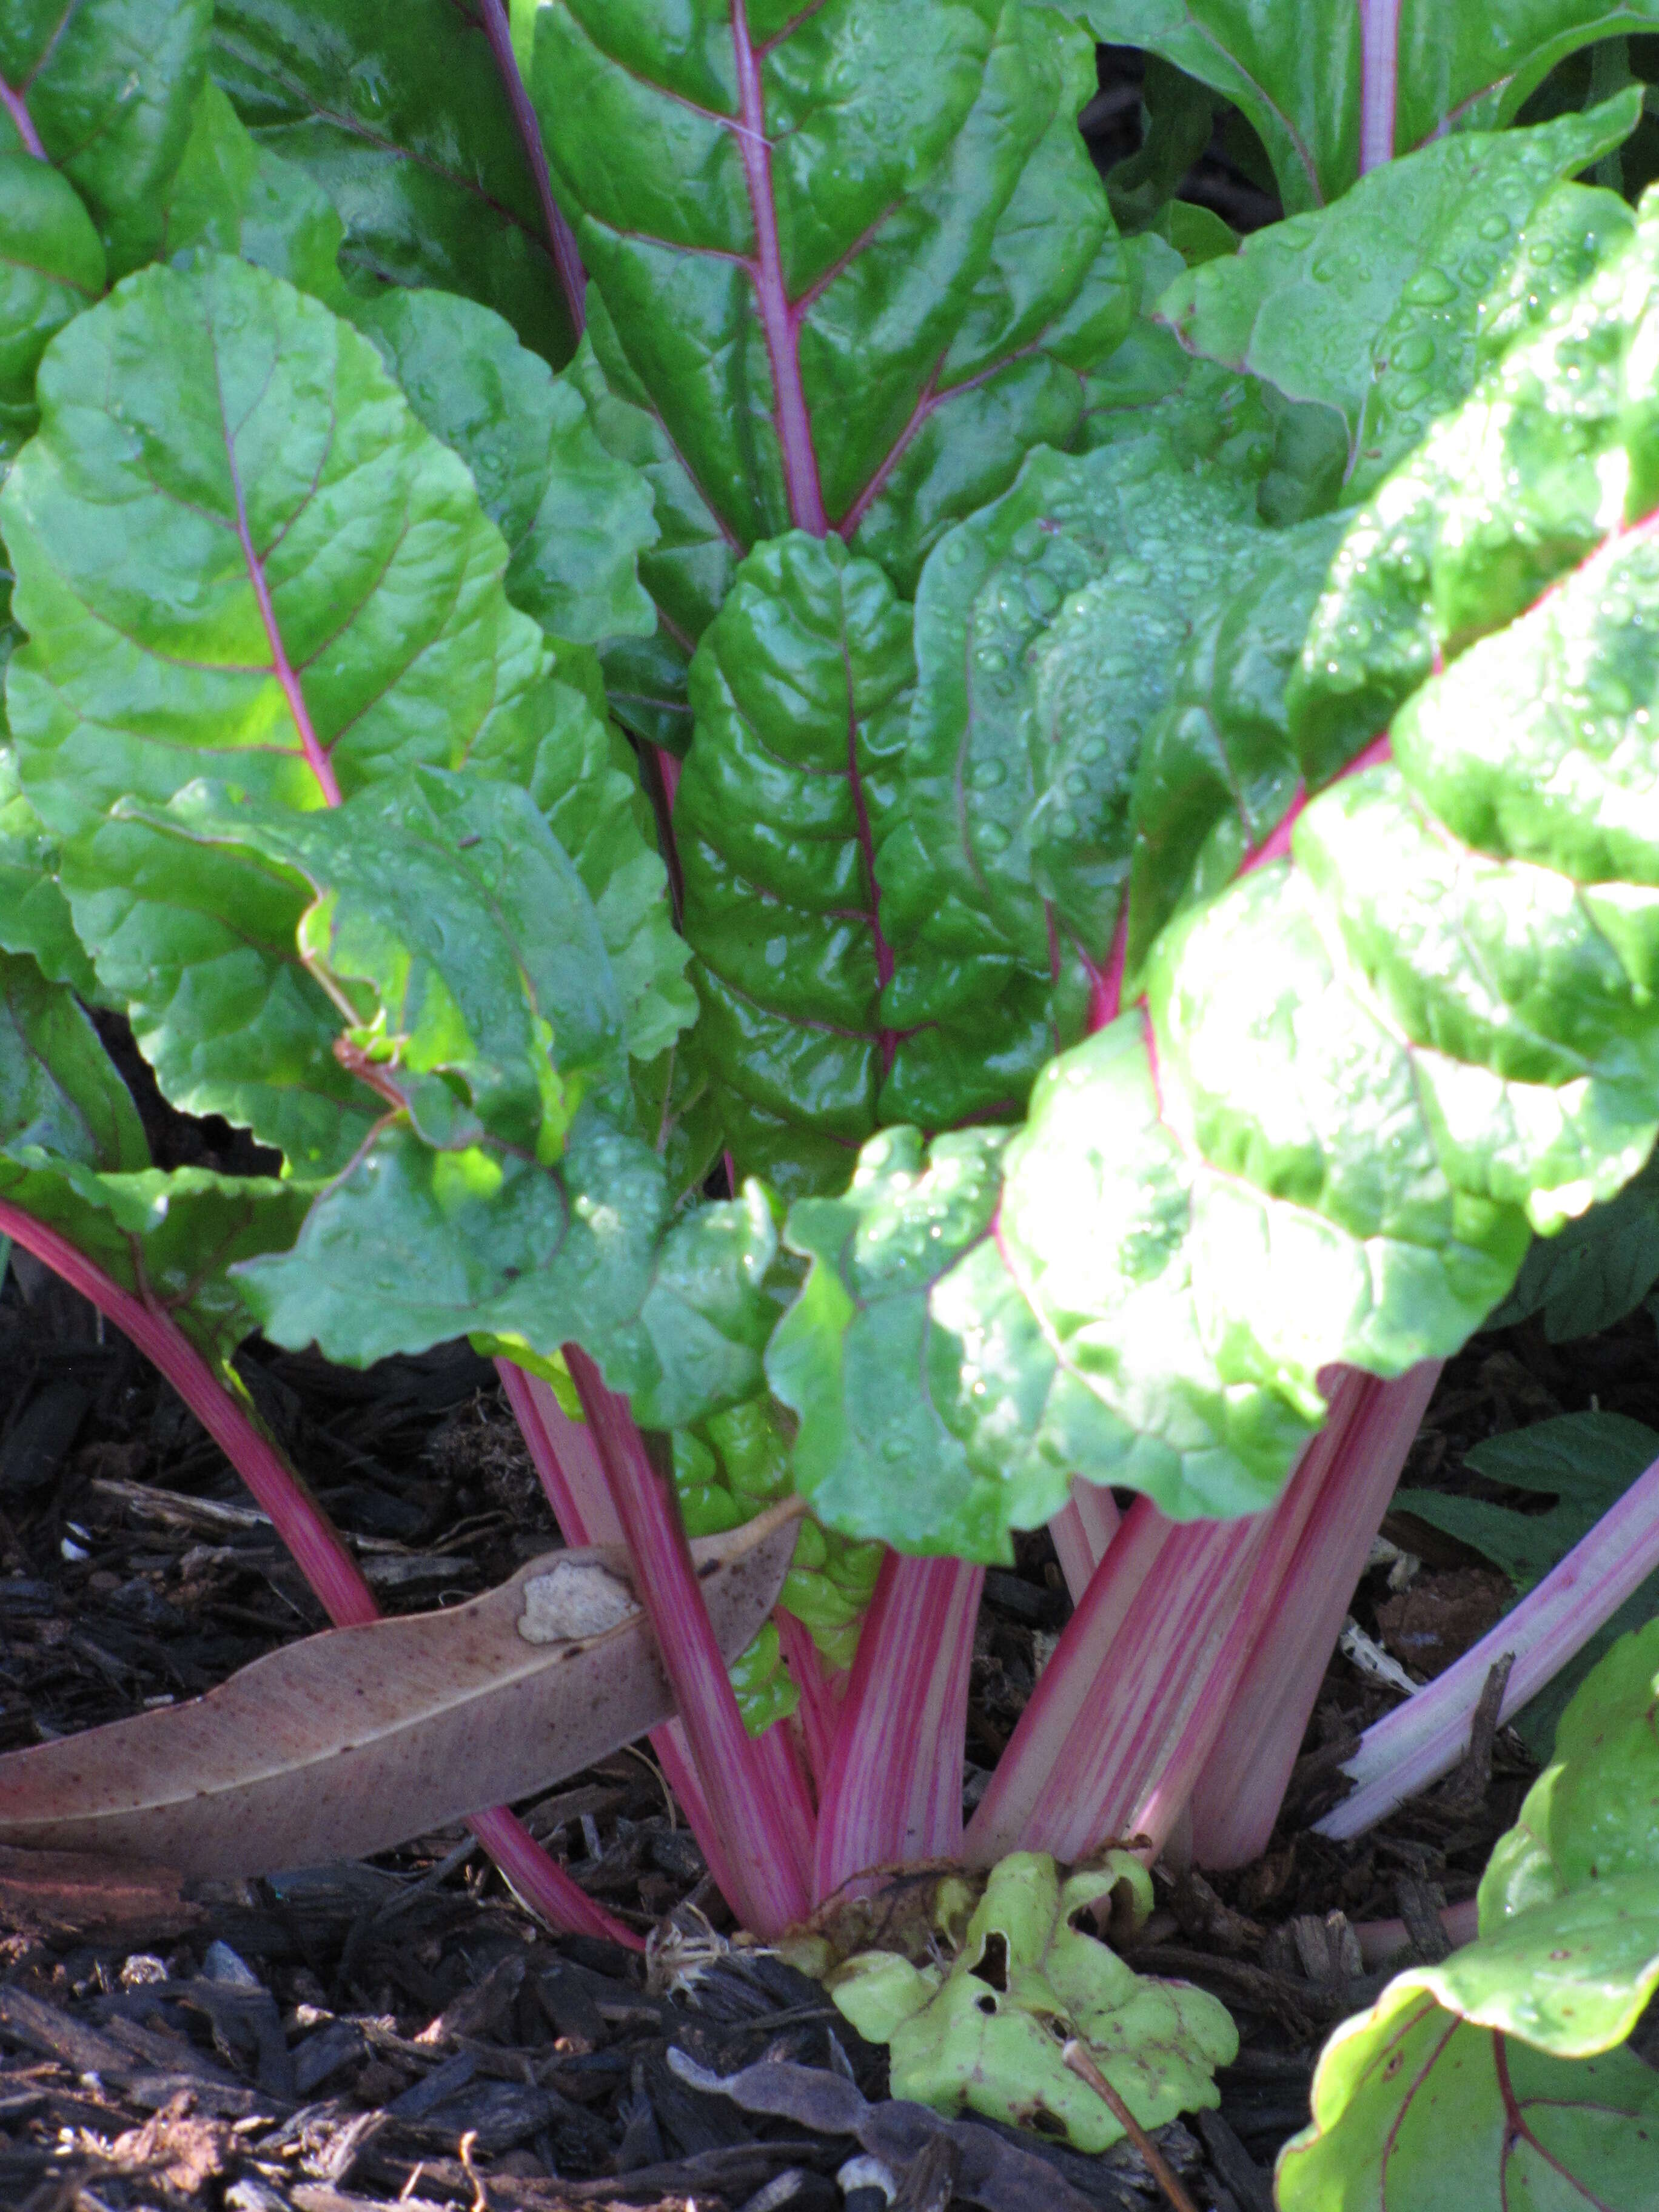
397	111
1371	306
940	245
239	554
51	266
104	89
986	2032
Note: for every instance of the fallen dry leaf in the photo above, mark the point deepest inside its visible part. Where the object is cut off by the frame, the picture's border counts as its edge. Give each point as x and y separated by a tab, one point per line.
354	1741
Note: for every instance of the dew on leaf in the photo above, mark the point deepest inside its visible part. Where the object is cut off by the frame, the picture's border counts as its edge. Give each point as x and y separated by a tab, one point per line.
1430	288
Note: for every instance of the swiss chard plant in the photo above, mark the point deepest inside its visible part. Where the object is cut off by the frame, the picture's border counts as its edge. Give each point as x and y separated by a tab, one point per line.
906	852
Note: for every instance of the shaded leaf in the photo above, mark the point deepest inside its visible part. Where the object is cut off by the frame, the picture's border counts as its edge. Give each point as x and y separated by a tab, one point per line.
231	195
106	89
51	266
396	108
1598	1269
1299	76
34	915
348	1743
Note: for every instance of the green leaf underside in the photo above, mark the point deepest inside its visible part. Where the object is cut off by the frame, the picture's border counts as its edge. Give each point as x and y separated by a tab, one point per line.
73	1157
395	107
1371	306
1297	74
108	86
1586	1462
943	248
230	512
1359	1079
1496	2072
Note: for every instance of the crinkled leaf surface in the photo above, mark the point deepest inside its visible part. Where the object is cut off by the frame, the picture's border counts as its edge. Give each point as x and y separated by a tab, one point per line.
986	2033
1502	2057
104	89
73	1158
396	108
241	555
940	244
1297	72
574	518
1555	447
1585	1462
1046	631
51	266
1359	1076
831	1001
1371	306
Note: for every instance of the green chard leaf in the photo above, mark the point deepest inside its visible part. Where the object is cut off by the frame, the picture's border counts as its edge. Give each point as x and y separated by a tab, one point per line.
505	1193
1597	1270
104	91
942	245
396	108
73	1158
1494	2078
1300	74
1371	306
1584	1462
34	915
51	266
232	195
239	554
1418	1028
575	520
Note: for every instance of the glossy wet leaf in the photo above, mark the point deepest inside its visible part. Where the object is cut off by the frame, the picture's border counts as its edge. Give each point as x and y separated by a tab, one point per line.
106	87
1503	2059
1046	635
51	266
575	520
1298	74
1371	306
1361	1075
986	2032
241	555
395	109
232	195
940	245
